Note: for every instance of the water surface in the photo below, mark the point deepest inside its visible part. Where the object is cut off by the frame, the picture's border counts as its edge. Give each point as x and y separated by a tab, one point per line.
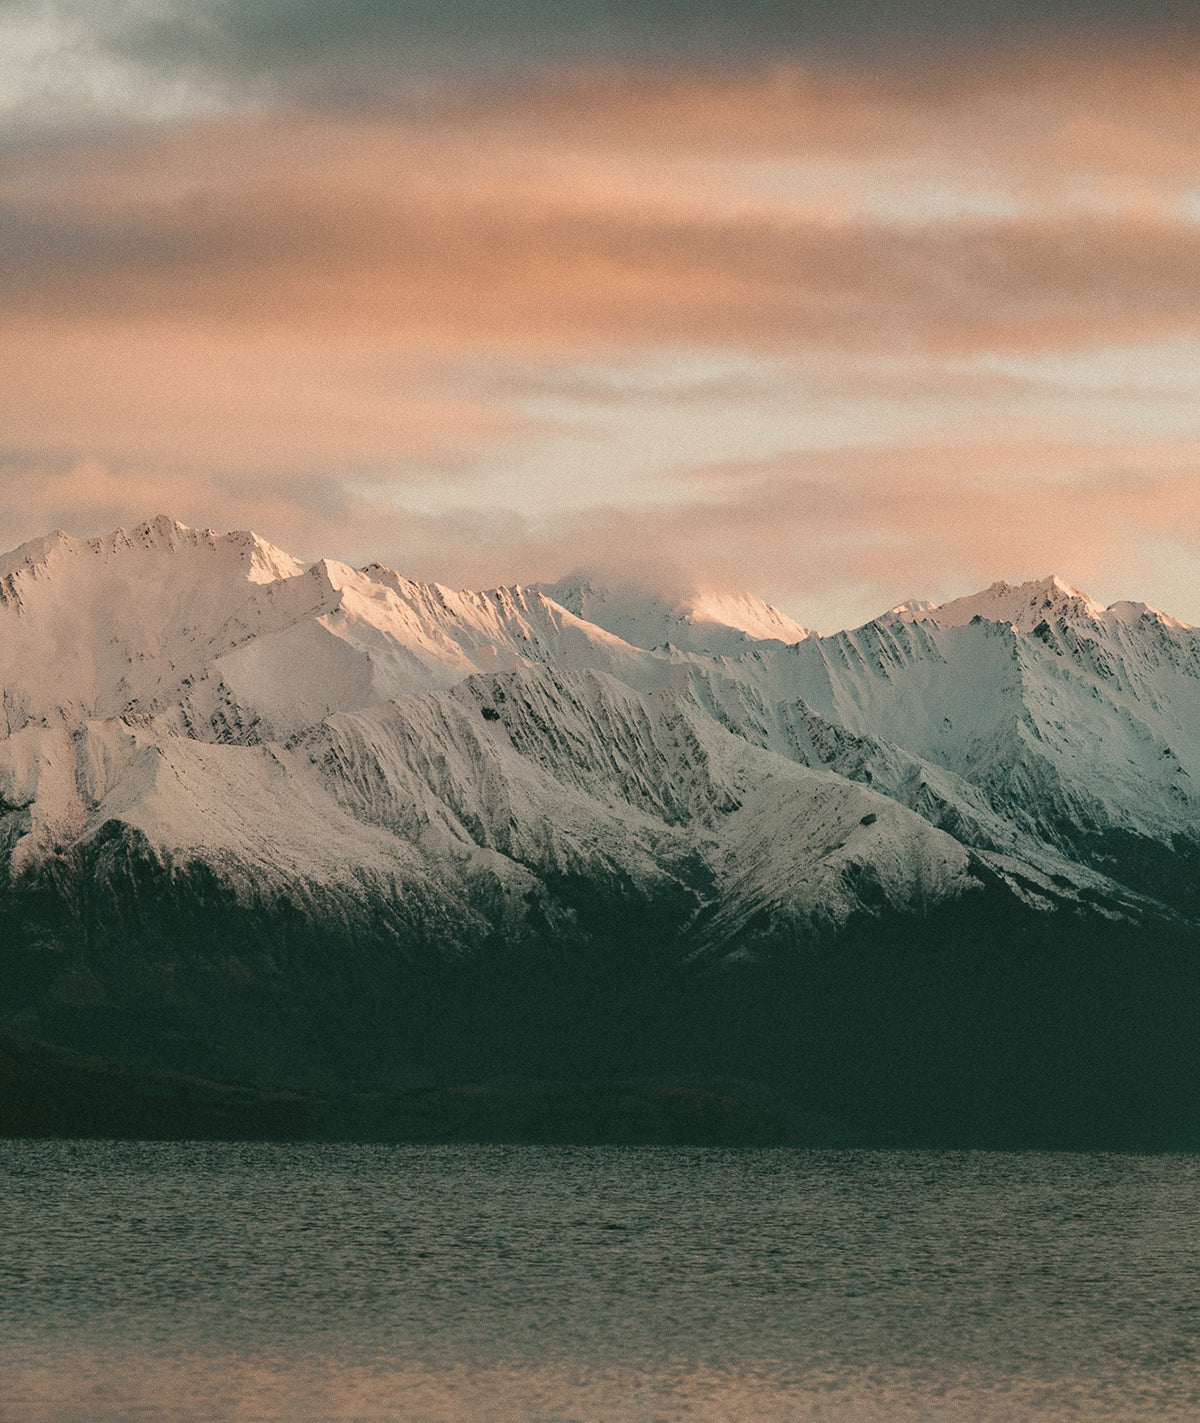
522	1284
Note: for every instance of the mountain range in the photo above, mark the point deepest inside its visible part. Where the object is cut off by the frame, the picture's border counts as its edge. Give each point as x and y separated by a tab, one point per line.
312	826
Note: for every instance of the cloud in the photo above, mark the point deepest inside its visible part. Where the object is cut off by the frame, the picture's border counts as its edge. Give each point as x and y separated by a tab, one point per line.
192	398
805	328
835	536
310	516
493	231
296	34
75	64
962	508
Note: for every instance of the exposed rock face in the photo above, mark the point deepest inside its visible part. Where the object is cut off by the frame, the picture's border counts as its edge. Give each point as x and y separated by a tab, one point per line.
315	824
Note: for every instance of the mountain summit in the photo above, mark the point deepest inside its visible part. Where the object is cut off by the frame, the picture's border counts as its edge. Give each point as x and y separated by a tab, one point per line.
290	822
1027	605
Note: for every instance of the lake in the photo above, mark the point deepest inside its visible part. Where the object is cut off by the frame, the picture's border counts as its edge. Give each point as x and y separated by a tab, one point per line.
271	1282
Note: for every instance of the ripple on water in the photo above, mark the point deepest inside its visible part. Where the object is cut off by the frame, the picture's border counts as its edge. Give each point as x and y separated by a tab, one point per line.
295	1282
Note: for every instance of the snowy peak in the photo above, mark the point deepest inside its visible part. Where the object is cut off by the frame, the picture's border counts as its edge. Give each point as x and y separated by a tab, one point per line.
96	627
1128	612
240	551
35	553
910	610
261	561
744	612
719	624
1026	606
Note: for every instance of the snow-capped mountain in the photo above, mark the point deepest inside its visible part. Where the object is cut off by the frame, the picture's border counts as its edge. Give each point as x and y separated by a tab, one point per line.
1079	721
246	803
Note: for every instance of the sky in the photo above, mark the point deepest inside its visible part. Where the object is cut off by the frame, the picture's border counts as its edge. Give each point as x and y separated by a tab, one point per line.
837	304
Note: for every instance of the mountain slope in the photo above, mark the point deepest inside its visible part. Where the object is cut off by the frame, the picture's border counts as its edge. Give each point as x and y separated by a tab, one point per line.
1078	723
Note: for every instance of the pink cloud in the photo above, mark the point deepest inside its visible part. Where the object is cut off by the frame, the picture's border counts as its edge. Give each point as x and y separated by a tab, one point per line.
292	321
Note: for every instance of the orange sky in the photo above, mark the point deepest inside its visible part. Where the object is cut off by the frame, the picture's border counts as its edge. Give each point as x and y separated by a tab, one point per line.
837	333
